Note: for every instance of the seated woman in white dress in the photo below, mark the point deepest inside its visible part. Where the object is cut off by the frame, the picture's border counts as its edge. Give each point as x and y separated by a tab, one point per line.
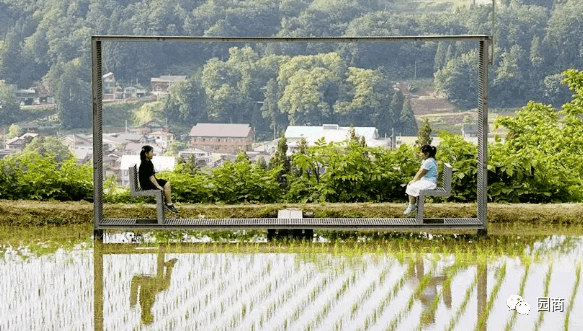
425	179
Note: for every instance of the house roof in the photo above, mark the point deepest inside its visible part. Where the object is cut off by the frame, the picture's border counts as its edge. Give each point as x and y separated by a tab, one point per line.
137	147
296	132
192	151
80	139
124	137
161	134
220	130
30	134
81	154
13	140
152	124
168	78
16	140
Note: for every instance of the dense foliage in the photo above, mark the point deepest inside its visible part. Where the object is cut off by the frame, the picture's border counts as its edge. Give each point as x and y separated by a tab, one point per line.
44	170
348	83
538	162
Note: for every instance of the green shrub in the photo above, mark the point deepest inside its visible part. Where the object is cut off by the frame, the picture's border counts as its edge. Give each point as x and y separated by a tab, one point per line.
32	176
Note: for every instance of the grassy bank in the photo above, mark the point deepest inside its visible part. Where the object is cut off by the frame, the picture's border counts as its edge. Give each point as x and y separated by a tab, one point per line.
35	213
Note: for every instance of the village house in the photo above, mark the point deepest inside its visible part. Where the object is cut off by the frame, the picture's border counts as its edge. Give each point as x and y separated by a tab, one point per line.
25	96
222	138
78	141
160	85
110	89
18	143
201	158
134	92
44	94
469	130
152	126
162	138
28	127
121	141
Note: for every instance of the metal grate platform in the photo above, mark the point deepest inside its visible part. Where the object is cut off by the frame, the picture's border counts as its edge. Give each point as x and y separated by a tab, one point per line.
291	223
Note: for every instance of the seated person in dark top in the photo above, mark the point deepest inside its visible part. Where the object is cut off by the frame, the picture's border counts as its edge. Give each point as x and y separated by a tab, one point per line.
148	180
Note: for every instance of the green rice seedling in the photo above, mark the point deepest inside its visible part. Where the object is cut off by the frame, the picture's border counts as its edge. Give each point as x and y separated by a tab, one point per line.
546	294
450	273
354	309
312	296
394	290
499	279
420	287
573	295
453	321
369	290
510	323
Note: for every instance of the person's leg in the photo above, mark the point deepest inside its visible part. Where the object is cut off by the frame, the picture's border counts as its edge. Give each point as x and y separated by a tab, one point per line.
168	193
411	190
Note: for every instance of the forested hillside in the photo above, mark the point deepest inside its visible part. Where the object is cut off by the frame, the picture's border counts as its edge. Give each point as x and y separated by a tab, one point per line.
275	85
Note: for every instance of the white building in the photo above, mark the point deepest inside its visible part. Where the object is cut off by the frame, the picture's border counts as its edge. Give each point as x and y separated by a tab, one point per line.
331	133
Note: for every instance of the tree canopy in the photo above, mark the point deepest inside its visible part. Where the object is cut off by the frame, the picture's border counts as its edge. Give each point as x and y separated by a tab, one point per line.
269	84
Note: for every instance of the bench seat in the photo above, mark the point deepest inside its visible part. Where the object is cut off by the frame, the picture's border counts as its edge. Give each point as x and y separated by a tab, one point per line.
135	190
443	191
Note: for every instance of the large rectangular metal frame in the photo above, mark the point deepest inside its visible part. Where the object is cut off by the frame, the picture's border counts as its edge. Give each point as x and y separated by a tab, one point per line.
96	86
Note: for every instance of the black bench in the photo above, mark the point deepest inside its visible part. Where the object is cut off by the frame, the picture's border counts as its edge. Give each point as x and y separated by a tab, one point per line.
135	190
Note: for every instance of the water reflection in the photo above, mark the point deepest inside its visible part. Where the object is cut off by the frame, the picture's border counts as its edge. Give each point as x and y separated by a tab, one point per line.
217	287
429	293
276	291
149	286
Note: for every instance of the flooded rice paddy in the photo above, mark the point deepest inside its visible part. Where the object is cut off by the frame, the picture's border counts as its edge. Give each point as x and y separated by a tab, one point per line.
60	279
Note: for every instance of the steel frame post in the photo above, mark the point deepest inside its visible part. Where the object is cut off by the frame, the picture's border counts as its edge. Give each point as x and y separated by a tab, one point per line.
96	97
483	135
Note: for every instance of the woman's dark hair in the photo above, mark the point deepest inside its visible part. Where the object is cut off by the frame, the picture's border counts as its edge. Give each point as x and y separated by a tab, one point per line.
145	149
429	150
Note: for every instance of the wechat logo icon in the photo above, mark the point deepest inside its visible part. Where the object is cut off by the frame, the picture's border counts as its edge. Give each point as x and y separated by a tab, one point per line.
515	302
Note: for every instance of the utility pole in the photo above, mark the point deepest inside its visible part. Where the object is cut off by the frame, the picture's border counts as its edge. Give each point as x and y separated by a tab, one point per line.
415	74
493	31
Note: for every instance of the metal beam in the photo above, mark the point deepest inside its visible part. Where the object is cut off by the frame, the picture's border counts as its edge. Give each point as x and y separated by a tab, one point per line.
291	223
435	38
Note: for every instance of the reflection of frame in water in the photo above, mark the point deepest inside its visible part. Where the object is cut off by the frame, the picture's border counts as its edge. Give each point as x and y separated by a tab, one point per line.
144	288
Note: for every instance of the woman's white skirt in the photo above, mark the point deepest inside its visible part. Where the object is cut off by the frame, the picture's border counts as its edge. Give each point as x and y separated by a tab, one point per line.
422	184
